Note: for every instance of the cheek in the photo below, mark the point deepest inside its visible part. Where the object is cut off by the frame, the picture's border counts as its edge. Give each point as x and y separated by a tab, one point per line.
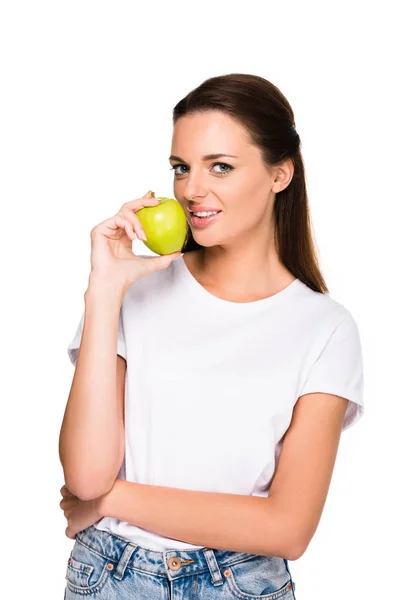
245	214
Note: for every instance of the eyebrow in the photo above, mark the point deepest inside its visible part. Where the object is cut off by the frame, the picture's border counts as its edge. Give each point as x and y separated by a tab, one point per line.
206	157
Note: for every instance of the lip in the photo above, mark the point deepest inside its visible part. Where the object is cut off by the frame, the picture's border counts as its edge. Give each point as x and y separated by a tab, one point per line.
203	208
200	223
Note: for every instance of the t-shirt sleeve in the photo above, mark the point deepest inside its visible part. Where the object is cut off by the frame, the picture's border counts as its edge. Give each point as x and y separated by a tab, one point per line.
74	346
339	369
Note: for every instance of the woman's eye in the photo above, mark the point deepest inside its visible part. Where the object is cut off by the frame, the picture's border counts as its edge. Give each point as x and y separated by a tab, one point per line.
175	167
229	168
226	168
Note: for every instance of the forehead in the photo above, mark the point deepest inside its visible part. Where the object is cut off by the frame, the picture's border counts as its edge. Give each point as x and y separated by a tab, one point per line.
208	130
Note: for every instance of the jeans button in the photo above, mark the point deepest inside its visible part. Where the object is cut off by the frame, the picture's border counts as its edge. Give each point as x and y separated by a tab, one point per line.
174	563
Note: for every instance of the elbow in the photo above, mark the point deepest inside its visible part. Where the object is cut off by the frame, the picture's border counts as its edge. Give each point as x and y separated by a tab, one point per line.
294	552
296	548
88	484
291	541
91	494
294	533
85	490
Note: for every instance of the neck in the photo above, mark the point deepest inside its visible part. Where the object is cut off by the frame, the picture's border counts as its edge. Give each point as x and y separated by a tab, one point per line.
246	268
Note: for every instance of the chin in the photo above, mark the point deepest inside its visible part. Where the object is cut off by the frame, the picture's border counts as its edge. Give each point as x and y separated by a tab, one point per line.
204	243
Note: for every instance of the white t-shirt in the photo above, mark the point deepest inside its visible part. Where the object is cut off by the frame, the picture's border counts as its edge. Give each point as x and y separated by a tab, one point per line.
211	384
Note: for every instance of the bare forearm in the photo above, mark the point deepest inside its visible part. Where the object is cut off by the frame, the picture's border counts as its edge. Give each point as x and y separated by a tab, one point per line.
89	437
216	520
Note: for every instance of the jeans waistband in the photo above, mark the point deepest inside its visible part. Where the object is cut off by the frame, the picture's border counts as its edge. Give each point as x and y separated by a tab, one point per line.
169	563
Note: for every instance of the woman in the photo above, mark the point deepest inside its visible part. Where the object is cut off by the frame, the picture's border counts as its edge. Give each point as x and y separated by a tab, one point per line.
198	457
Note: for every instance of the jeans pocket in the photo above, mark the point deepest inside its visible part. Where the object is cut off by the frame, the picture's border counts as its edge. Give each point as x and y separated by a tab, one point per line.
87	571
260	578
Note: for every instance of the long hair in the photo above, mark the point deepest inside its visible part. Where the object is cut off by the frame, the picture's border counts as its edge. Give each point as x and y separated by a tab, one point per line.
265	113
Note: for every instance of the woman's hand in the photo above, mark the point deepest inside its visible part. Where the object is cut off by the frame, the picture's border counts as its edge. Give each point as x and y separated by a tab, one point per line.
112	259
80	514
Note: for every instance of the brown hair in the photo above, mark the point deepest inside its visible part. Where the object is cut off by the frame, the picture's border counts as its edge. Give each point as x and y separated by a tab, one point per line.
269	120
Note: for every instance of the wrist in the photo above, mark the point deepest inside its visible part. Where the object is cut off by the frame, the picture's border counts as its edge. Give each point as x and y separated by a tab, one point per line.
101	285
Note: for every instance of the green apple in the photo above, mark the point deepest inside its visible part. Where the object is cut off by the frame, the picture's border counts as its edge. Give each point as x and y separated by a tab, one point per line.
165	226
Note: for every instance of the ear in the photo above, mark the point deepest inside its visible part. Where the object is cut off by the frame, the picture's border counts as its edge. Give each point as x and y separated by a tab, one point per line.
283	174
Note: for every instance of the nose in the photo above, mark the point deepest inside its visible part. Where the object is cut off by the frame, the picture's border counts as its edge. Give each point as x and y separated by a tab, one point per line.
194	185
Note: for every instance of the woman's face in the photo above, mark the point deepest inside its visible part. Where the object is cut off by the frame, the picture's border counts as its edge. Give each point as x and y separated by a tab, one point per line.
239	186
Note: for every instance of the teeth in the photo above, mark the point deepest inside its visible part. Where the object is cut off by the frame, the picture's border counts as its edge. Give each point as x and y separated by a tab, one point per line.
205	214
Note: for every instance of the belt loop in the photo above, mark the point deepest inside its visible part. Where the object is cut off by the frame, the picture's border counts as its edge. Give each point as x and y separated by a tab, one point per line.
123	561
213	566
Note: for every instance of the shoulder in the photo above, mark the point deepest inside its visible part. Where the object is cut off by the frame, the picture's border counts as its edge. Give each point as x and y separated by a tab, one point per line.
322	310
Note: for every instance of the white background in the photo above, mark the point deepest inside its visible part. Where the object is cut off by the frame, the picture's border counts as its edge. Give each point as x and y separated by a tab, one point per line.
87	95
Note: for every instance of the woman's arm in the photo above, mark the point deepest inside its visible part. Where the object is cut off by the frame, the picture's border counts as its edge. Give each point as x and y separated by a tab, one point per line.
216	520
91	437
280	525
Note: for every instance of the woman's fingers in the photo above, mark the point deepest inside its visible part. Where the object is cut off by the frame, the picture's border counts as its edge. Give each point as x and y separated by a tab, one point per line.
129	209
126	219
146	200
134	221
124	223
115	223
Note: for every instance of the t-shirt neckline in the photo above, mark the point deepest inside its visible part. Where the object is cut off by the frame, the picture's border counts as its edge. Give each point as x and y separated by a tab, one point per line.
192	282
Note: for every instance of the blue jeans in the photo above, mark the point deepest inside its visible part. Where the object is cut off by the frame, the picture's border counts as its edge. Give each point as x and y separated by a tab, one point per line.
108	567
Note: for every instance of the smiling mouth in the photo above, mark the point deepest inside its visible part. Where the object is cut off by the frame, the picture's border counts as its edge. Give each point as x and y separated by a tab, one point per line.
203	221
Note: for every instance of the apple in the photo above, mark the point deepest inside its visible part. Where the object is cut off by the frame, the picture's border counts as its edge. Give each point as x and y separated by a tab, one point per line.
165	226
